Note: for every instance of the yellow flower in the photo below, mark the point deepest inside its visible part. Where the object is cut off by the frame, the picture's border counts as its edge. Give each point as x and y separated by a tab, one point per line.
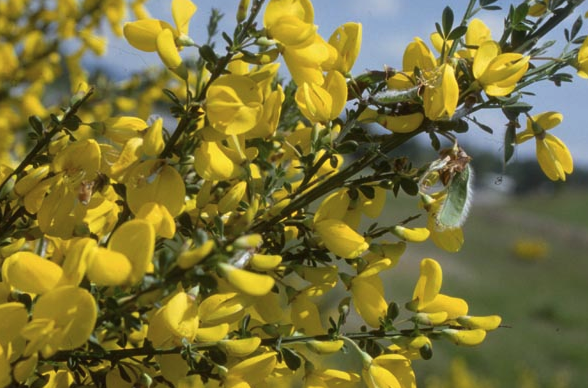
498	73
426	296
476	34
368	299
290	21
62	319
316	378
306	316
251	372
155	181
552	154
321	104
388	370
305	63
340	239
346	39
250	283
156	35
441	93
583	59
234	104
213	161
176	320
29	272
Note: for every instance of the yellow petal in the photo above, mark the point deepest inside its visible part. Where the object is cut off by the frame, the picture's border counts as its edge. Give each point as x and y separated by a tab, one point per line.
155	181
429	283
487	323
213	333
465	337
192	257
240	347
108	268
368	300
153	143
181	315
29	272
73	309
325	347
340	239
411	234
136	240
554	158
265	262
245	281
182	12
159	217
169	55
142	34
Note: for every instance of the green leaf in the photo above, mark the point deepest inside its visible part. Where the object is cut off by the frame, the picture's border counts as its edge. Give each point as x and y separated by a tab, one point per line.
426	352
36	124
456	206
457	33
409	186
519	14
576	27
291	359
171	96
447	20
368	191
483	127
208	54
393	311
509	142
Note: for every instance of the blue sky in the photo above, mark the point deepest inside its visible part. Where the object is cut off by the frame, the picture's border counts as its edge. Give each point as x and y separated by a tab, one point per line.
388	26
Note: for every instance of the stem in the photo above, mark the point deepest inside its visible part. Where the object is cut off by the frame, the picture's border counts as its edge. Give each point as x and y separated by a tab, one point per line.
119	354
337	180
187	120
549	25
41	144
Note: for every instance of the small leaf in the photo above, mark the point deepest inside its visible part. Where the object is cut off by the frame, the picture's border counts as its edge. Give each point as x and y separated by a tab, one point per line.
426	352
576	27
124	374
483	127
447	20
36	124
409	186
457	33
171	96
208	54
520	13
368	191
439	29
509	142
393	311
291	359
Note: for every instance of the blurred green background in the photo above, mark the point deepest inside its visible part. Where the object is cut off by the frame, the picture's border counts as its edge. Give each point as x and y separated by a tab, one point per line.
524	258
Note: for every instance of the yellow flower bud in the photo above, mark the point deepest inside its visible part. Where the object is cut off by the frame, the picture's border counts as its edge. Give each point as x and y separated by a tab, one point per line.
231	199
325	347
153	143
465	337
192	257
240	347
487	323
411	234
247	282
265	262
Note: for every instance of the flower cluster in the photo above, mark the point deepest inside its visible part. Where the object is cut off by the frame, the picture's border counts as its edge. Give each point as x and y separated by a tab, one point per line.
196	248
